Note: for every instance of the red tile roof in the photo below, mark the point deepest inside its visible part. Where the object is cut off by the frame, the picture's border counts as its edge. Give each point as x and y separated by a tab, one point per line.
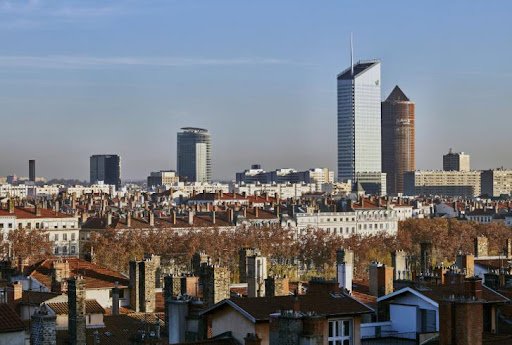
91	307
96	277
29	213
9	320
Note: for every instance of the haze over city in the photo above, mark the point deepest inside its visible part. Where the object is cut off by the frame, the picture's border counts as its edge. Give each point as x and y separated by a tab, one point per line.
79	78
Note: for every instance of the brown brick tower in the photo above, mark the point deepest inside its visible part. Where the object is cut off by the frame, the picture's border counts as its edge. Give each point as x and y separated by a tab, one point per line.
398	139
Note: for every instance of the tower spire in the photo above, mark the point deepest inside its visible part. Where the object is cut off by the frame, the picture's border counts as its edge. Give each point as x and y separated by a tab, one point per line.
351	55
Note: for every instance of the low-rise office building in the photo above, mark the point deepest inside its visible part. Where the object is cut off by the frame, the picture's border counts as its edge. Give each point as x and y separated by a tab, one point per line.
444	183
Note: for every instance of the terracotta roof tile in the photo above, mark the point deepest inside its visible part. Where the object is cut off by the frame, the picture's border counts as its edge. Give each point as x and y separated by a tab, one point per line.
9	320
96	277
91	307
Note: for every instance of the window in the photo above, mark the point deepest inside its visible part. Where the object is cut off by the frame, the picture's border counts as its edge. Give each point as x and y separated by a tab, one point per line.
73	249
56	251
1	225
56	237
64	249
29	225
72	236
10	225
64	237
340	332
37	225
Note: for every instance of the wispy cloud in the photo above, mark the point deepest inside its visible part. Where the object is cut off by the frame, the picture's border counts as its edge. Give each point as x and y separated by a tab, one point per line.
91	62
28	14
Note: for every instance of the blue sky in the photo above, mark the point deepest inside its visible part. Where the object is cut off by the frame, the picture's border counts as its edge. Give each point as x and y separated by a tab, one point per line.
85	77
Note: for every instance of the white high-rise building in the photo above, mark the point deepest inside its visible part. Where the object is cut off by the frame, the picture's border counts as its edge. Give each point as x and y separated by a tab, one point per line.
359	120
194	155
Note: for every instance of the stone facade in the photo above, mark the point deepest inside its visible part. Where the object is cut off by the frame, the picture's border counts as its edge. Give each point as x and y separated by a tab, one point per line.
481	246
43	328
142	285
277	286
243	254
215	283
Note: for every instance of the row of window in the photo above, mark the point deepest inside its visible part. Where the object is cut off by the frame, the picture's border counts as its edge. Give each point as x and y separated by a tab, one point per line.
64	250
64	237
36	226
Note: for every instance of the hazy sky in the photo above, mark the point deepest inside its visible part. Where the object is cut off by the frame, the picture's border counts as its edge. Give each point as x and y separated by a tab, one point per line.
85	77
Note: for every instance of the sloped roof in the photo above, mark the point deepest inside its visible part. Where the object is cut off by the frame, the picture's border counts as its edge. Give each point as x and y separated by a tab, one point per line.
95	276
397	95
91	307
9	320
258	309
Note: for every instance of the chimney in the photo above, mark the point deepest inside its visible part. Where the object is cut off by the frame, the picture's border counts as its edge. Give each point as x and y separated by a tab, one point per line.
381	279
173	217
215	282
508	248
177	323
481	246
252	339
400	263
115	299
213	217
151	218
43	328
37	209
60	272
83	217
134	286
128	219
466	263
474	287
256	211
344	268
277	211
191	217
109	218
277	286
11	206
76	304
425	257
256	275
231	215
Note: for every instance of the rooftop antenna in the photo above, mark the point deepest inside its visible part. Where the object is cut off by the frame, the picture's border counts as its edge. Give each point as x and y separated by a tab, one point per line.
351	55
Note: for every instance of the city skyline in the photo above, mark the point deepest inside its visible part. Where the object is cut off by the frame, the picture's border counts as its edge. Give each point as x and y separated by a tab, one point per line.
92	96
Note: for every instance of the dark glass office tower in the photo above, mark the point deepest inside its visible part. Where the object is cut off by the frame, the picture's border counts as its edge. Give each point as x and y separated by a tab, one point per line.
106	168
194	161
32	170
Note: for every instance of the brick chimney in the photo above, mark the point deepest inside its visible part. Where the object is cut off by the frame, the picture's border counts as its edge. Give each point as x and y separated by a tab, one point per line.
460	322
466	263
508	248
76	303
11	206
481	246
215	282
252	339
381	279
277	286
37	209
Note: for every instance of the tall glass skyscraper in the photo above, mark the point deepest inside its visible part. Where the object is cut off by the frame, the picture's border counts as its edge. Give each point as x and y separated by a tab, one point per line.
106	168
359	121
194	155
